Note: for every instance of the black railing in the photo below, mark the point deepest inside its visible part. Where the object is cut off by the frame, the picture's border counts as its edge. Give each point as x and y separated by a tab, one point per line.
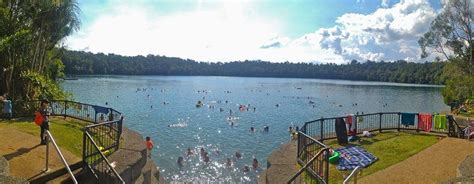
96	161
313	156
312	134
100	139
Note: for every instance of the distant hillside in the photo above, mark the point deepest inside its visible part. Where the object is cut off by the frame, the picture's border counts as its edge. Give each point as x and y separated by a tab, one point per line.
79	62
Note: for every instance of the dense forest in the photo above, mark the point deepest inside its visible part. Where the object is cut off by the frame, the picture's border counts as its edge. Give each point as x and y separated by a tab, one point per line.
79	62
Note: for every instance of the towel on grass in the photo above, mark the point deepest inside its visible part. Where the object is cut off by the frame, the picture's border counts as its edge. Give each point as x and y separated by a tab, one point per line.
354	156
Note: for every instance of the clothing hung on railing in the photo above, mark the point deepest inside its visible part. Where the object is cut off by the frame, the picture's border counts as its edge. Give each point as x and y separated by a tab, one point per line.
408	119
440	121
350	125
341	131
425	122
99	109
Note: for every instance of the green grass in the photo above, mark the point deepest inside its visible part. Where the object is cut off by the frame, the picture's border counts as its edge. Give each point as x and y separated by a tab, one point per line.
389	147
67	133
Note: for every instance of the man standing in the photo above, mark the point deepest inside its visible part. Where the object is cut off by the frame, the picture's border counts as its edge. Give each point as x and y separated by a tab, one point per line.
45	125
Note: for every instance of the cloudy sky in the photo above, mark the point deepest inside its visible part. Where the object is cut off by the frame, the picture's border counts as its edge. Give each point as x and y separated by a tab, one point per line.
335	31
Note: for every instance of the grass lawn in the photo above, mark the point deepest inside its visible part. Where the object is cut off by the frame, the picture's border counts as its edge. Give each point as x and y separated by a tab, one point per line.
389	147
67	133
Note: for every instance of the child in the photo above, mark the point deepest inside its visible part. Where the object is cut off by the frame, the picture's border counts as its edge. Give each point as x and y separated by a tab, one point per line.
45	124
149	145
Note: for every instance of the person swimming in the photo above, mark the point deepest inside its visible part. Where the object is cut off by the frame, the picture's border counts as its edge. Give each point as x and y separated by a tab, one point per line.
238	155
266	129
189	152
252	129
206	157
246	168
228	162
180	162
255	163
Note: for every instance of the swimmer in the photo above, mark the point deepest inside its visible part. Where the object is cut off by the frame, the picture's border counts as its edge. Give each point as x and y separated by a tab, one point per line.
255	163
238	155
246	168
277	105
252	129
189	152
229	162
266	128
202	151
206	157
290	129
180	162
254	109
221	109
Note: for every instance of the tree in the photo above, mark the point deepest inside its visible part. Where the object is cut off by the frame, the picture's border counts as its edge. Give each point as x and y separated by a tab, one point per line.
30	34
451	35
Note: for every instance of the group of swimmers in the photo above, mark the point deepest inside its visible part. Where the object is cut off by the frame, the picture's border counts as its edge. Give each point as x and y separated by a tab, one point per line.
228	163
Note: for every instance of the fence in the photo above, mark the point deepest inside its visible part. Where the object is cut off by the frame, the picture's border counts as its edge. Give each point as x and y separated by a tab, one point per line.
312	134
100	139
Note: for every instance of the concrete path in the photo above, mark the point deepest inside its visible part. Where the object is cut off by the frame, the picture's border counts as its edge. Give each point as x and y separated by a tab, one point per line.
435	164
281	165
26	157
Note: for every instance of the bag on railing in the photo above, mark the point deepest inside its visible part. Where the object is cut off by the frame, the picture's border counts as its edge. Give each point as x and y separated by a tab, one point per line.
38	118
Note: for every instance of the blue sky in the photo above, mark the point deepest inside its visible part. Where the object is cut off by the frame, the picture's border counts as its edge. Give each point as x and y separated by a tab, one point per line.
274	30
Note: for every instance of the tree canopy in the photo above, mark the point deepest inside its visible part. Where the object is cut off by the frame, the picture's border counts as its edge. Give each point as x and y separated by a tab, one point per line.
30	33
79	62
451	36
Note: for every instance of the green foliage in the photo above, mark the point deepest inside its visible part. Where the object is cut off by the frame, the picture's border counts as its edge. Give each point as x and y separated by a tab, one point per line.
30	32
43	87
451	35
79	62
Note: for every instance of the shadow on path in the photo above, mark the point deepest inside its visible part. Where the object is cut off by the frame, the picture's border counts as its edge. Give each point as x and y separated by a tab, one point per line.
19	152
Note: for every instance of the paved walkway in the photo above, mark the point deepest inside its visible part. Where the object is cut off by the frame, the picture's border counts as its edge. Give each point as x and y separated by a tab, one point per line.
435	164
281	165
26	157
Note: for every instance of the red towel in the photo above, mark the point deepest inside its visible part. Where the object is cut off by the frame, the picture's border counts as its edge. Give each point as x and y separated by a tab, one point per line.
350	125
425	121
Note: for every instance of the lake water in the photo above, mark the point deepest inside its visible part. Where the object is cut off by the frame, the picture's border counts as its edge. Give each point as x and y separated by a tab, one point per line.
152	103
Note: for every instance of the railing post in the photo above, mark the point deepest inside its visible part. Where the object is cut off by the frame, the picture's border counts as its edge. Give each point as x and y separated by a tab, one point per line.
418	125
84	149
380	122
119	133
65	108
298	146
355	123
46	168
322	126
399	121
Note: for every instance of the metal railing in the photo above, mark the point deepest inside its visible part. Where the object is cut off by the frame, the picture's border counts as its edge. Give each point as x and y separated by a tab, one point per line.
353	175
314	157
104	132
97	162
49	138
312	134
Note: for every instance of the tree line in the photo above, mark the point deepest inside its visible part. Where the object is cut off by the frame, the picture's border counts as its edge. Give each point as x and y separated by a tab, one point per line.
86	63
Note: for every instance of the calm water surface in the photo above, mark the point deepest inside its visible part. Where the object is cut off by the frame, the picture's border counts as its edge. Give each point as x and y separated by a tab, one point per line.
152	103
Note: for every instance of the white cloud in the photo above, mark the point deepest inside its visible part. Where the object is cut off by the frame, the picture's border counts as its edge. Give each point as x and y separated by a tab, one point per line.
387	34
229	33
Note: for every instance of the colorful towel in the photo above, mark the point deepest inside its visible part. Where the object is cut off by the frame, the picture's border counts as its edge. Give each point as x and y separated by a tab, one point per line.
354	156
440	121
425	122
408	119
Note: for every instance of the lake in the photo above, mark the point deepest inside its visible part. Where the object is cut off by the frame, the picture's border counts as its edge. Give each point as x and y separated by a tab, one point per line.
164	108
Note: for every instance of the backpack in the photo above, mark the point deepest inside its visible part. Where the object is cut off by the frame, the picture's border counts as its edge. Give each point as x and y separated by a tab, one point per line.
38	118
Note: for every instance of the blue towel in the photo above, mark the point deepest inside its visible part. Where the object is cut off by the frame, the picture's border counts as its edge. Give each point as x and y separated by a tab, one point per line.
354	156
408	119
99	109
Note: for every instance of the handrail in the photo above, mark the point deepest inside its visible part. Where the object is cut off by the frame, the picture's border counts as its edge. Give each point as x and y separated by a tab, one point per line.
353	174
307	164
103	157
50	137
